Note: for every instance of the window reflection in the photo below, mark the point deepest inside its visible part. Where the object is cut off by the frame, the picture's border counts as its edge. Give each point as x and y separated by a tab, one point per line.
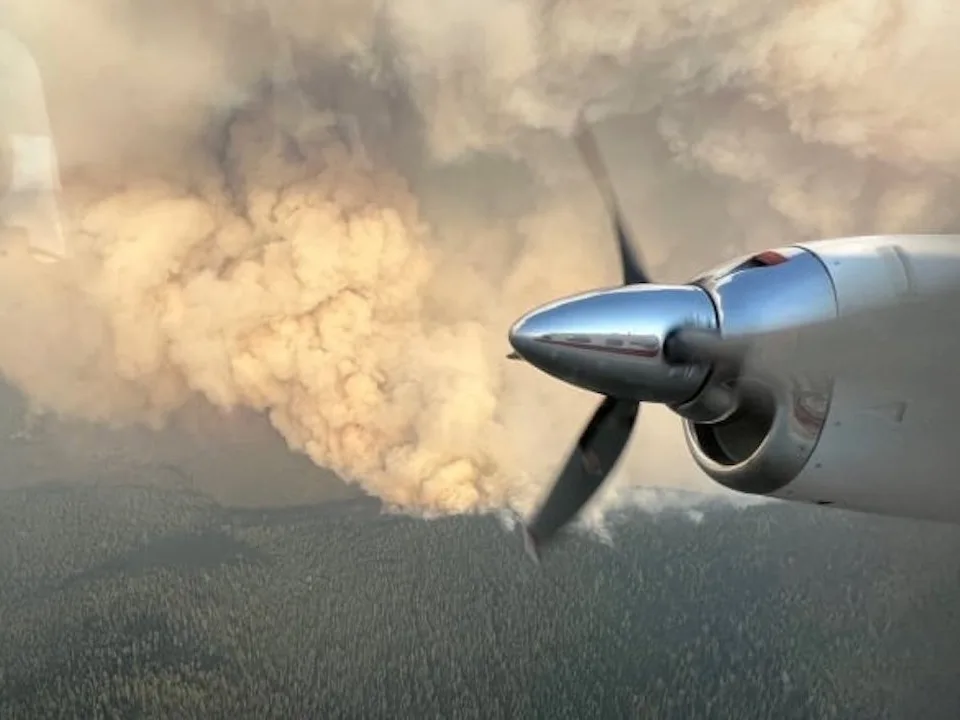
29	173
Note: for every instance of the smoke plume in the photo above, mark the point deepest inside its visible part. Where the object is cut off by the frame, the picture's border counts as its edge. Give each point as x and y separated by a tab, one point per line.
330	212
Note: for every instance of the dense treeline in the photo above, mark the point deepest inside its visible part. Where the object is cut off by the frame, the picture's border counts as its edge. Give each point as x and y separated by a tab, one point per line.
134	602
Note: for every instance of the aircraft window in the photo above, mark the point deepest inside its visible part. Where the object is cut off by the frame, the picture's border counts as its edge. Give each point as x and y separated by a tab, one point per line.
614	342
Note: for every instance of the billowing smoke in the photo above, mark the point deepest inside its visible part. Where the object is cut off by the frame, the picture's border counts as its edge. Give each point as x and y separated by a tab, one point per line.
330	212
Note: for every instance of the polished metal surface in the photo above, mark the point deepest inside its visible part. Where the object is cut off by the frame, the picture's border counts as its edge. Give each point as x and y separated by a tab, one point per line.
611	341
763	438
754	299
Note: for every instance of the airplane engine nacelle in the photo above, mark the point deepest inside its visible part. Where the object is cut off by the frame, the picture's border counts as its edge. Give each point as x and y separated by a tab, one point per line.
847	441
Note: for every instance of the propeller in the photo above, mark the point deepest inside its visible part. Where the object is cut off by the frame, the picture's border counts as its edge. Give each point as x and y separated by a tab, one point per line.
606	435
869	346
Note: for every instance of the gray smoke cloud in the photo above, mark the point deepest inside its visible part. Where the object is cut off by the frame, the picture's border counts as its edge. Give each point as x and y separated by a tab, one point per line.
330	212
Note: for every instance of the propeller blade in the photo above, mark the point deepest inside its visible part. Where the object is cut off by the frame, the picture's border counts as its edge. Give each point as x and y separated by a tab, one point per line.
595	455
633	272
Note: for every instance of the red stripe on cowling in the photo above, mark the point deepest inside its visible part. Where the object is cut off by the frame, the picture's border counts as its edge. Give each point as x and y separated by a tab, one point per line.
769	257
